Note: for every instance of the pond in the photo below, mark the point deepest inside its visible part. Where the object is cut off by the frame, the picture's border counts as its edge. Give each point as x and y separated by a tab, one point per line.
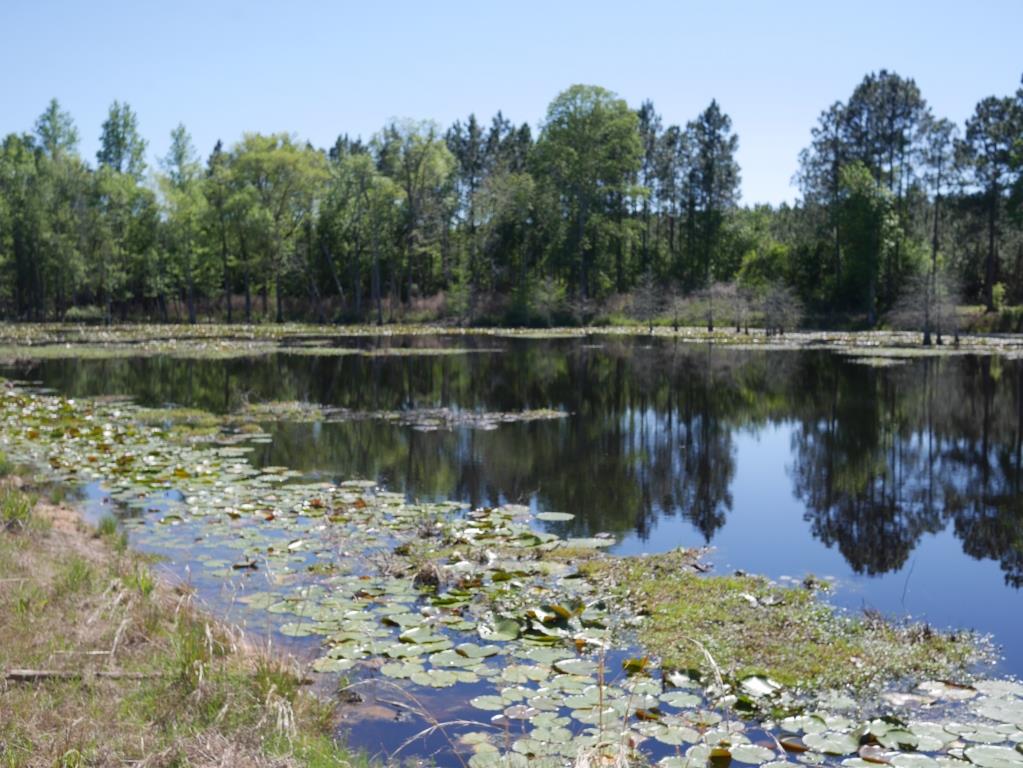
901	482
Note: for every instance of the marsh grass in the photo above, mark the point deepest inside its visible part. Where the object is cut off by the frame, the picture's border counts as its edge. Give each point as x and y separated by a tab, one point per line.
15	509
74	602
107	526
752	626
6	466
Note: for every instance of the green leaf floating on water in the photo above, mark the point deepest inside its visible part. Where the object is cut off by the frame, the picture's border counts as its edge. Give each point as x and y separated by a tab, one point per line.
913	760
576	666
422	635
502	629
1004	710
400	670
758	687
832	743
988	756
752	754
326	664
555	516
489	703
435	678
521	673
500	760
681	699
898	738
293	629
473	651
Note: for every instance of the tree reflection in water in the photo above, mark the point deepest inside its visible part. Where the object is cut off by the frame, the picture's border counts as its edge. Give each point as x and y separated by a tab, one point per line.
880	456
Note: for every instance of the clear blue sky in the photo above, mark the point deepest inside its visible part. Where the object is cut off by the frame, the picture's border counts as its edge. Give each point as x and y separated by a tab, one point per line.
317	69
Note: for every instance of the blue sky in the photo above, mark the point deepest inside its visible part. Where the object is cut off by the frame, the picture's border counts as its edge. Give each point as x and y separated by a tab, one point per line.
317	69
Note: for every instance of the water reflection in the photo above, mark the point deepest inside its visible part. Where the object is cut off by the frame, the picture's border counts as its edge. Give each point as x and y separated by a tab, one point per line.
879	457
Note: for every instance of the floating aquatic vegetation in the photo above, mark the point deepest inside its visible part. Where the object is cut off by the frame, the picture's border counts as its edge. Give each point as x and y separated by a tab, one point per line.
20	342
422	419
749	625
315	349
436	596
879	361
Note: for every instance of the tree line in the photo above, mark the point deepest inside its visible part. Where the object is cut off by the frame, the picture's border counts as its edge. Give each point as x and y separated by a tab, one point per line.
902	214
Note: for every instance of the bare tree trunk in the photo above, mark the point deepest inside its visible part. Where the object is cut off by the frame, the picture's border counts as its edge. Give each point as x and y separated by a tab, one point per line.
248	280
248	296
932	282
329	258
227	273
989	266
191	296
357	280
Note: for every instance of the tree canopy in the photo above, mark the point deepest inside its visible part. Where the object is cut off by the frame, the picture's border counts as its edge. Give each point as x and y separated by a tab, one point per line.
603	206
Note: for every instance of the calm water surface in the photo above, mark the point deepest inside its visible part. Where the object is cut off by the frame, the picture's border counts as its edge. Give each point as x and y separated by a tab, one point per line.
904	483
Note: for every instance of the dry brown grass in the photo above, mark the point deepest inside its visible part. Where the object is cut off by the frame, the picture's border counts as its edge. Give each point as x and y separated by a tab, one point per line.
77	603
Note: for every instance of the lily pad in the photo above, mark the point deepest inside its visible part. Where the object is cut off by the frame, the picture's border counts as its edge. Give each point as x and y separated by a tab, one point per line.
503	629
752	754
575	666
555	516
989	756
489	703
832	743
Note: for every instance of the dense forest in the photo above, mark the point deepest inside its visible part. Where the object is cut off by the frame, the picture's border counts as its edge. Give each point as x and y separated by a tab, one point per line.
604	211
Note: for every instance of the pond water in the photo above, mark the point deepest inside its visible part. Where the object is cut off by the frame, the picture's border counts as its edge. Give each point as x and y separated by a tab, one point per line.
903	482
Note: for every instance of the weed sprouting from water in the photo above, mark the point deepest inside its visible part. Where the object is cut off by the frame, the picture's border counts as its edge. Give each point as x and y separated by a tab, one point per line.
107	526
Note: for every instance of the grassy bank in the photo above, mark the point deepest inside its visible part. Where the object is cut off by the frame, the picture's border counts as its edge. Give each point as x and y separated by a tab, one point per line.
103	664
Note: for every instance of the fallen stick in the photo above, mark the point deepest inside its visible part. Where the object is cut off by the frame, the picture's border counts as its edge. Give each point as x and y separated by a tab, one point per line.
35	675
81	653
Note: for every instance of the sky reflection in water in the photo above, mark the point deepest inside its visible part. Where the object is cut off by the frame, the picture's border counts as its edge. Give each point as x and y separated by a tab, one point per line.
903	482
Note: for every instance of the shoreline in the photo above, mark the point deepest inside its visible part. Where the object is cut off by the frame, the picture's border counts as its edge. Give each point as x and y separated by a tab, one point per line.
35	340
105	662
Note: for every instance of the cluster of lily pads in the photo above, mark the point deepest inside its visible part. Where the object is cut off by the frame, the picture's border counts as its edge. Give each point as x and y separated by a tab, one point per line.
485	603
420	419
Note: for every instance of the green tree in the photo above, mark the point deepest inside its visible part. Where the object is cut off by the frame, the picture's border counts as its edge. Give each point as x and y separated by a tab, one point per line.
25	216
56	131
122	148
506	205
992	135
63	185
216	188
869	226
415	156
589	150
286	181
468	147
939	167
185	209
714	189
